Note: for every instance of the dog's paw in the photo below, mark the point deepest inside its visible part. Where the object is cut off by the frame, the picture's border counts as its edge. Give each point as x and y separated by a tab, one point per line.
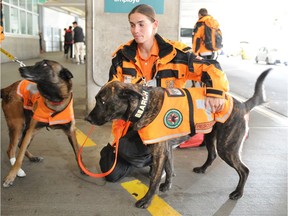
165	187
36	159
199	170
8	181
7	184
142	203
235	195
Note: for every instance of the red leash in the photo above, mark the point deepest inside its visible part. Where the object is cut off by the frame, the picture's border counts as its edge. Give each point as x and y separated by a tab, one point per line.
85	170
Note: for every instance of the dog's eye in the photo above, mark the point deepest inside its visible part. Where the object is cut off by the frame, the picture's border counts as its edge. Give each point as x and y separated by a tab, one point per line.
103	102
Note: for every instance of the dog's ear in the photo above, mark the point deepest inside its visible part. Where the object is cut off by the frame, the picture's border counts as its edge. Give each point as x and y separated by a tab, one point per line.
128	93
65	74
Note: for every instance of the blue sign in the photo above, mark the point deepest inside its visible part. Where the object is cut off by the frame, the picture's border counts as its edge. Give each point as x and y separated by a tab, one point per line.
125	6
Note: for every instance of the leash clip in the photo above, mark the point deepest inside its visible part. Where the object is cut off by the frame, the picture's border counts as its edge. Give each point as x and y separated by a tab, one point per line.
19	62
144	81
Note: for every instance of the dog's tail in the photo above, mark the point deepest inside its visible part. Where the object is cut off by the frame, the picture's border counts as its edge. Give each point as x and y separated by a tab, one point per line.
259	96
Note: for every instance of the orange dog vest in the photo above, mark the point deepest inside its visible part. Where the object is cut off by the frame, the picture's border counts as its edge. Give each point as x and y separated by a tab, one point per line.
35	102
176	119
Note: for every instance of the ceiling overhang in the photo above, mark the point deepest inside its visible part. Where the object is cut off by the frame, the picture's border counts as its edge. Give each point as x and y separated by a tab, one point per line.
75	9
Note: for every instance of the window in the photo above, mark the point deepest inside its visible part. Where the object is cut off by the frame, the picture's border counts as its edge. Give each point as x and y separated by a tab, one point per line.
35	6
14	2
23	22
6	13
21	17
29	5
35	24
14	24
30	24
22	4
186	32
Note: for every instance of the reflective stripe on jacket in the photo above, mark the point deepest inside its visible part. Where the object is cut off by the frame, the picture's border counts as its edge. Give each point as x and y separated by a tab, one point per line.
35	102
177	119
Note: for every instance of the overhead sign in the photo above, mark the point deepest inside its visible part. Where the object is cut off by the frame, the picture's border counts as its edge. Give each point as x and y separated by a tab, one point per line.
125	6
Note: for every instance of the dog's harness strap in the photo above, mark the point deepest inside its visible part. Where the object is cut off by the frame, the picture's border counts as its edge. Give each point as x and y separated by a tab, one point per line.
142	105
191	108
85	170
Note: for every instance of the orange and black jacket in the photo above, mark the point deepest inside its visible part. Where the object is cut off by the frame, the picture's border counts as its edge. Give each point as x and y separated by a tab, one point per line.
176	64
169	70
198	45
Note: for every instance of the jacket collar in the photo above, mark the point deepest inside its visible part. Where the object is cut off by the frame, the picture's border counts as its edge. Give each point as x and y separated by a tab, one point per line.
165	48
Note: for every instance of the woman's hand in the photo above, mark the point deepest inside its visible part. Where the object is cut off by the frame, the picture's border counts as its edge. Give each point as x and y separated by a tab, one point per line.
216	104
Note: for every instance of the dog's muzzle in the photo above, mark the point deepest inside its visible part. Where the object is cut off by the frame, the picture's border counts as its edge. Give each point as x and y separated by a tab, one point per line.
93	120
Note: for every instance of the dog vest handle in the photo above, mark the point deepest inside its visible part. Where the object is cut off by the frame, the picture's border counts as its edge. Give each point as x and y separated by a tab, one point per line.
85	170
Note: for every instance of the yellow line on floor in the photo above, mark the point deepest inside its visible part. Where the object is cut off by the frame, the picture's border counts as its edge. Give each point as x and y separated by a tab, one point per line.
81	137
158	206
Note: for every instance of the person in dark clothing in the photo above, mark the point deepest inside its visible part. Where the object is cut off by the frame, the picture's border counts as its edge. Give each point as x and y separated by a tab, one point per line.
65	29
79	46
68	42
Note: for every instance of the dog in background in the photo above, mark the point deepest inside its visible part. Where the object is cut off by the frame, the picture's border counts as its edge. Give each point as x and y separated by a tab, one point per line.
43	99
117	100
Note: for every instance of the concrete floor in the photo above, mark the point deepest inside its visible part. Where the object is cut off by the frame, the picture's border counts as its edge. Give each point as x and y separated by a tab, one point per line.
55	186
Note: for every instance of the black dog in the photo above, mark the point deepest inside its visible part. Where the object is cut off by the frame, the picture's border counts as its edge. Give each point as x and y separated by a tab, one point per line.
117	100
46	101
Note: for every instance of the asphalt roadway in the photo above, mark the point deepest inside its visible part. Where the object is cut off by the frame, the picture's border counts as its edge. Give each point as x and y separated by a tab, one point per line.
55	186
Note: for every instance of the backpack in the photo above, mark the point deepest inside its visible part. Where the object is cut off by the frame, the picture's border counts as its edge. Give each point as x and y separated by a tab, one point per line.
68	37
212	35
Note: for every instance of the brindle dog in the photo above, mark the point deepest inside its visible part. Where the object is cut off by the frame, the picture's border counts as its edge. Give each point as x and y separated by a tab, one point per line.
117	100
55	86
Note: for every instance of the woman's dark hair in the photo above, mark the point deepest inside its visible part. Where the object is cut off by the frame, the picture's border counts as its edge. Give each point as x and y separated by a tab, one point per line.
144	9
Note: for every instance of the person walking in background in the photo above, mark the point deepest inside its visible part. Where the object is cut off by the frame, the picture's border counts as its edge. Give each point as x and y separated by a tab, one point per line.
79	46
65	29
198	36
68	42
